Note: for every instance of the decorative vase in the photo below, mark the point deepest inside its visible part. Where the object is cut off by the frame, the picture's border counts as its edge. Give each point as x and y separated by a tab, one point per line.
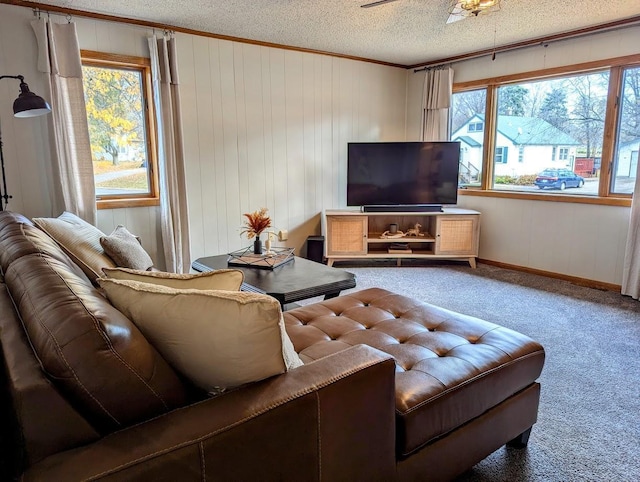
257	246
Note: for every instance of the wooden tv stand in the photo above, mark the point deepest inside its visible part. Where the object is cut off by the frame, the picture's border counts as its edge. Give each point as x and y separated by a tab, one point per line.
450	234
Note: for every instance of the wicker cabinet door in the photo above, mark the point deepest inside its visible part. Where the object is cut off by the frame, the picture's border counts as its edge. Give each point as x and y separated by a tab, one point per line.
457	235
346	235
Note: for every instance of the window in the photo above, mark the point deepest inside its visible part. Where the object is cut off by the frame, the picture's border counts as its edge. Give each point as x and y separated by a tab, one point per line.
501	155
625	164
566	111
564	153
467	126
581	120
116	90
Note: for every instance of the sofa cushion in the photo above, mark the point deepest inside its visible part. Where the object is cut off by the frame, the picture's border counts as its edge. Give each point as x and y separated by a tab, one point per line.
218	339
125	249
222	279
91	352
450	367
80	240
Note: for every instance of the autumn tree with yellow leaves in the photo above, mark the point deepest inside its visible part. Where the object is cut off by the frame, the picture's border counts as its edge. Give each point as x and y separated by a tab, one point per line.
114	110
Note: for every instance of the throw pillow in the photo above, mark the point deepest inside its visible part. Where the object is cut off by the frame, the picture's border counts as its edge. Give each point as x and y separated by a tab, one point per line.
125	249
80	240
217	339
222	279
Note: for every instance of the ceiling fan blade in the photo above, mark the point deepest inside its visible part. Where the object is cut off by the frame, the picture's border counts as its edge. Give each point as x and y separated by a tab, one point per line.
455	18
375	4
456	13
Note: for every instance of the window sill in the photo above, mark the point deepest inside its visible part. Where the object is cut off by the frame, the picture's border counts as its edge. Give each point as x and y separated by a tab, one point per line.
567	198
126	203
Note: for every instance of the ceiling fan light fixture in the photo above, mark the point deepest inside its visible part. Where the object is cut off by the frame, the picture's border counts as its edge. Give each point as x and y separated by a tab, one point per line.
471	8
476	6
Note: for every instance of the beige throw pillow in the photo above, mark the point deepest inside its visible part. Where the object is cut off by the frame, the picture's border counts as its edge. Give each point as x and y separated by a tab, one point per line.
222	279
125	249
80	240
217	339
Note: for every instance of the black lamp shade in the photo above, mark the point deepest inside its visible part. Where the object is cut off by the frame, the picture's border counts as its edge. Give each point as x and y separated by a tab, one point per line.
29	104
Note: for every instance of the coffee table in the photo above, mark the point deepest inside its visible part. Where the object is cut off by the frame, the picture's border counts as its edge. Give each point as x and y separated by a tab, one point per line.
290	282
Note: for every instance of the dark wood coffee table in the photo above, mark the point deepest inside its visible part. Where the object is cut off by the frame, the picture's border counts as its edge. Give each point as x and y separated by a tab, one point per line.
293	281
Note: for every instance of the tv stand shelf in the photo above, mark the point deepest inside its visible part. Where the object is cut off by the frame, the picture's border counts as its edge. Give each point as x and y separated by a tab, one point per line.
452	233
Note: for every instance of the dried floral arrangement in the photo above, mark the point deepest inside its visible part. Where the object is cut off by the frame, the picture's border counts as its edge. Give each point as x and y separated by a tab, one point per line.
256	222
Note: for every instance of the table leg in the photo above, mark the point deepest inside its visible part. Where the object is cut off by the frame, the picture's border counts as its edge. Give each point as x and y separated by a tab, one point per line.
333	294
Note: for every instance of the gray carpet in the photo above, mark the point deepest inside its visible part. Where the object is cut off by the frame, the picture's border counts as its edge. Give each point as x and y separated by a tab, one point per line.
589	419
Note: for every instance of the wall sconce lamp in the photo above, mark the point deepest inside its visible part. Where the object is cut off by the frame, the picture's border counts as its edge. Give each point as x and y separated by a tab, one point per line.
27	104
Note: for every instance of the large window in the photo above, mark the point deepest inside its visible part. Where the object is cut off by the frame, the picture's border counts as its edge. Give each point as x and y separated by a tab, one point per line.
553	133
116	89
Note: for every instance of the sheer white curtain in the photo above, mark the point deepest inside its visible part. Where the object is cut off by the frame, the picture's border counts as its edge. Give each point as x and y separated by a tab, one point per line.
173	193
631	270
73	187
436	100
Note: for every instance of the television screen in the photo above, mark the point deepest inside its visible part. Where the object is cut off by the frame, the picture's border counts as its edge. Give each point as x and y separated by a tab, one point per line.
402	173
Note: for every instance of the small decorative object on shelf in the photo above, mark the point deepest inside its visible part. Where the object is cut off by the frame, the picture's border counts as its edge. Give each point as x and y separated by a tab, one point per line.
389	234
415	231
256	222
246	257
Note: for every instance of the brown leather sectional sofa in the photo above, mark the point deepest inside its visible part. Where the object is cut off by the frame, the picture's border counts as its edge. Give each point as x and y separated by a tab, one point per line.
391	389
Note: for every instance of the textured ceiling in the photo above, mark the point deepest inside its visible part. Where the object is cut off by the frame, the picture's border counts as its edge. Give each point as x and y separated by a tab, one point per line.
403	32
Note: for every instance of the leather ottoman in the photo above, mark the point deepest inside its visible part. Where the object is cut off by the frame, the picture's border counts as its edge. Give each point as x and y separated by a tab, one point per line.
450	368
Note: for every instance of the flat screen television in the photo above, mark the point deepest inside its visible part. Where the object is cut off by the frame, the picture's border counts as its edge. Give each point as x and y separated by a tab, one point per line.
402	176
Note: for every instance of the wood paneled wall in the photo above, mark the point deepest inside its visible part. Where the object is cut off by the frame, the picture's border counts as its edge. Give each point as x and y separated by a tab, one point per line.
265	127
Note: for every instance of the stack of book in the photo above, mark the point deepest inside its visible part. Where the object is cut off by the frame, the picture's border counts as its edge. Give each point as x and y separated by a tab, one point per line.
399	248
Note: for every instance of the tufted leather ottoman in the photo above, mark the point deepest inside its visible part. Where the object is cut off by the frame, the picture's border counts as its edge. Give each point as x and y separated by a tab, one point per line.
450	368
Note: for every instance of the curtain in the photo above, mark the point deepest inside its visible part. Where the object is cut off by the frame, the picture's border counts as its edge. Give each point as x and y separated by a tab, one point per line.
174	217
73	187
436	100
631	270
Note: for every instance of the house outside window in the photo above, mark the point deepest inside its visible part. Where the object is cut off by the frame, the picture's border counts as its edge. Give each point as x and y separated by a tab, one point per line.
554	153
520	153
120	129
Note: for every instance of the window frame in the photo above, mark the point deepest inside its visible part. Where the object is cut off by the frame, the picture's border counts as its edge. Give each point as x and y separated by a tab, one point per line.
142	65
605	196
477	126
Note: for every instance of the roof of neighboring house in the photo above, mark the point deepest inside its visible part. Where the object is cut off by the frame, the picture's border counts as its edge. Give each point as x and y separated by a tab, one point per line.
529	131
468	140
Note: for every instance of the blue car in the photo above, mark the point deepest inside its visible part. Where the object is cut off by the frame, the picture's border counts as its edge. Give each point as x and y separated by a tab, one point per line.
558	179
